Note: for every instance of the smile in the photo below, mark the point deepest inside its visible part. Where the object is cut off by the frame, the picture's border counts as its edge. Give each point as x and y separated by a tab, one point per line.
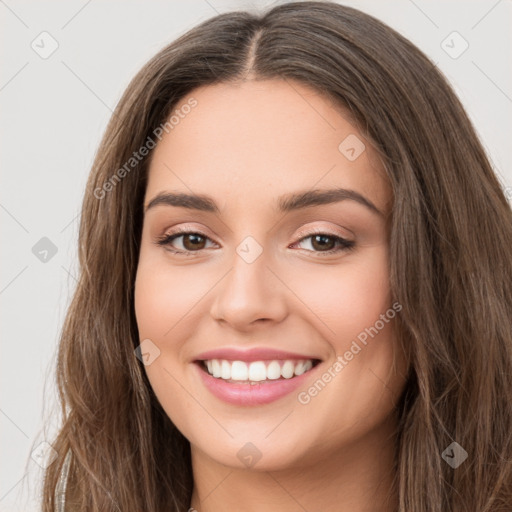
257	371
241	379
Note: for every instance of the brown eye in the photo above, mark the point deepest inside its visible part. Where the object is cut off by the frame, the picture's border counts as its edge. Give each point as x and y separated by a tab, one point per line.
191	242
323	242
326	244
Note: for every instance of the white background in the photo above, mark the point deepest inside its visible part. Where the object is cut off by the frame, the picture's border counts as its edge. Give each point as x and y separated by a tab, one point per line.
53	113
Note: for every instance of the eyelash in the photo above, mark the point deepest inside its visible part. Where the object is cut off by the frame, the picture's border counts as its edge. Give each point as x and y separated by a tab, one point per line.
165	240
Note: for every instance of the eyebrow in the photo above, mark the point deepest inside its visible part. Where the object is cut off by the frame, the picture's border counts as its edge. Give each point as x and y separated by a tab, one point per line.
286	203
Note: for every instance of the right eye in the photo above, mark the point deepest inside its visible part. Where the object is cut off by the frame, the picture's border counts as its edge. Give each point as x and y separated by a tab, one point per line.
192	242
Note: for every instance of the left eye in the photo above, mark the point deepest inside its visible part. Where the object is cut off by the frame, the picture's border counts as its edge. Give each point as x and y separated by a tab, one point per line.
195	242
321	240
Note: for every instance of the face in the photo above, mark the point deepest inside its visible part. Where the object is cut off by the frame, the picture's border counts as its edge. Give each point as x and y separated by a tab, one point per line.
277	288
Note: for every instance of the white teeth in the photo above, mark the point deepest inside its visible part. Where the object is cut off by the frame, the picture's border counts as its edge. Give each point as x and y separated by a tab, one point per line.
257	371
287	370
300	369
239	370
274	370
215	368
225	370
307	366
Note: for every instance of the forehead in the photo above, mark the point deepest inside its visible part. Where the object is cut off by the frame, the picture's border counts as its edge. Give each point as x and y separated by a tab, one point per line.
252	141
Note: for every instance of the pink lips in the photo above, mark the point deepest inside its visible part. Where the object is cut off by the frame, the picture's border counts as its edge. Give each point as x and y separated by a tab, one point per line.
245	394
254	354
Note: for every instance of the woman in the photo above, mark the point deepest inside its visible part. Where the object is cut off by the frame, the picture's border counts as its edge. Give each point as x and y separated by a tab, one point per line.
213	359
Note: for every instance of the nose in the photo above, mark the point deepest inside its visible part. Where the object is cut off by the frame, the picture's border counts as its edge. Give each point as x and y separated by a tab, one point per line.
249	295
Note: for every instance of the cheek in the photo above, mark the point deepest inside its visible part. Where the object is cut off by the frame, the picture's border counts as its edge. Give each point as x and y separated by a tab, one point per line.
347	298
164	296
354	311
164	303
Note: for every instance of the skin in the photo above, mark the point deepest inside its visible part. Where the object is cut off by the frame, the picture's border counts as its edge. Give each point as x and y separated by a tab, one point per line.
245	145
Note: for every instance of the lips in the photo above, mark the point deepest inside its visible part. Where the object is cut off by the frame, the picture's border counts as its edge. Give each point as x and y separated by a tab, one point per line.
254	354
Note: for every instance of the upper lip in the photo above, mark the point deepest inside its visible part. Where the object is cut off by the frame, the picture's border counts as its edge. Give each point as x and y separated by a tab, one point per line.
253	354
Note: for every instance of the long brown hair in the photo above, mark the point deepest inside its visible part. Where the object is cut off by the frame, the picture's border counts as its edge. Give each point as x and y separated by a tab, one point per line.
450	257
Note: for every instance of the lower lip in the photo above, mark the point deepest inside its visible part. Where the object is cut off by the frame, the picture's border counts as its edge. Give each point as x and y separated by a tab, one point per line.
252	394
